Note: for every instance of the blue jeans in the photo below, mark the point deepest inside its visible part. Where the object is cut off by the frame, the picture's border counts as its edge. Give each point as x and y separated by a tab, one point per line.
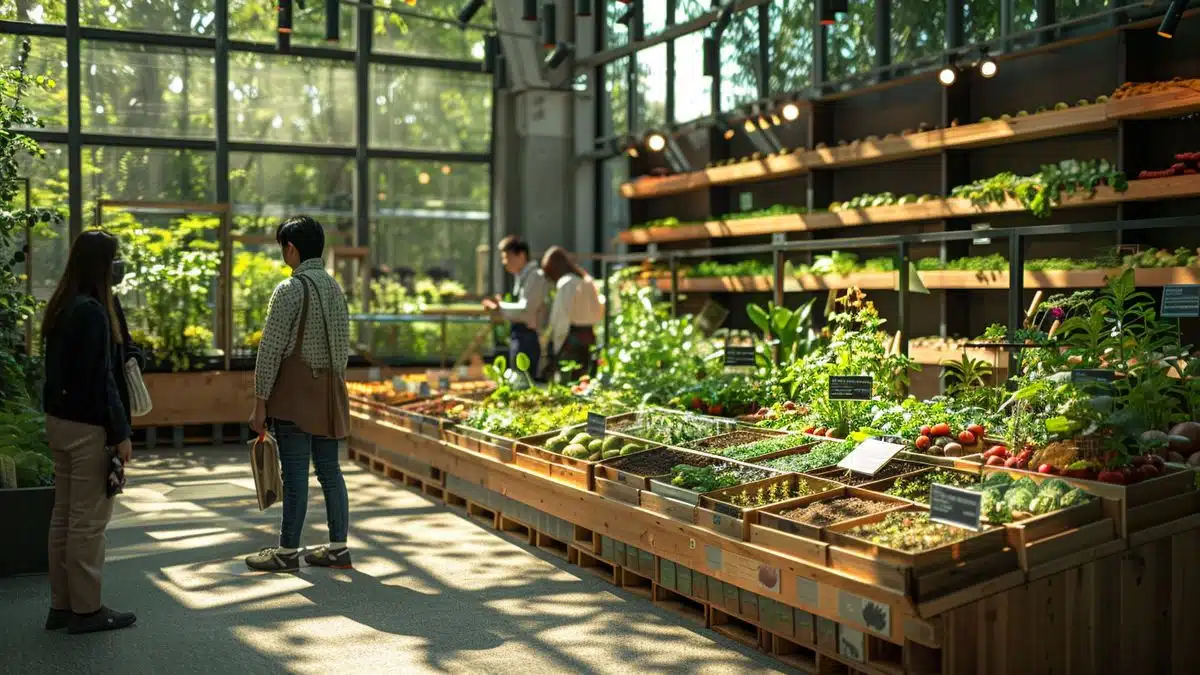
295	448
523	340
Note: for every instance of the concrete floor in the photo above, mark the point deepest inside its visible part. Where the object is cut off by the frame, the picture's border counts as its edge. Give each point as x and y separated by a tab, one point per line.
432	591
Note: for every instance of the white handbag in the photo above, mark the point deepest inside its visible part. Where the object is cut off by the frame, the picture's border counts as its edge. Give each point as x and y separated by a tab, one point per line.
139	396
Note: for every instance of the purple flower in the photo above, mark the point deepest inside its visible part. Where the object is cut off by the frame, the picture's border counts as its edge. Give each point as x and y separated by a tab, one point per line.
1057	313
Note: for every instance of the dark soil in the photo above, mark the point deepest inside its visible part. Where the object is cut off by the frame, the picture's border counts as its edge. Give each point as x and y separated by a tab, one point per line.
729	440
846	477
822	514
659	462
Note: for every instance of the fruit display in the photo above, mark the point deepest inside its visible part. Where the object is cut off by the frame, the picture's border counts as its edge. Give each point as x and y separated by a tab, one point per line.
1186	164
1131	89
909	531
1061	105
1006	500
941	440
580	445
381	392
448	408
830	511
867	200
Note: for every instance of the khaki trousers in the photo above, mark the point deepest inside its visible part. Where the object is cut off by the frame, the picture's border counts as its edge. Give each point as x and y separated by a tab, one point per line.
81	513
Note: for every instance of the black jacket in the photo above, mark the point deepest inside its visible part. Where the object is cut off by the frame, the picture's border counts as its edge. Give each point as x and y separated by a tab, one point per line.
85	379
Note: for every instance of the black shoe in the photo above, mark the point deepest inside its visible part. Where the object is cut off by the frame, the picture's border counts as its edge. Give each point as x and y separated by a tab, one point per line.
105	619
271	560
327	557
58	619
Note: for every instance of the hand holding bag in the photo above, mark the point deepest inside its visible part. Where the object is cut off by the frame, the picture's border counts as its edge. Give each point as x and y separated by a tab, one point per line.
264	463
139	397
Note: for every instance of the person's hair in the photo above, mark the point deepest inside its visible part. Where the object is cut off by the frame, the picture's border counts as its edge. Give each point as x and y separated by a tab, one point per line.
89	272
514	244
303	232
557	262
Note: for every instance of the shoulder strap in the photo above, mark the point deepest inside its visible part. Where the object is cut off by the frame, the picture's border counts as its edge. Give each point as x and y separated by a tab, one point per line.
324	316
302	321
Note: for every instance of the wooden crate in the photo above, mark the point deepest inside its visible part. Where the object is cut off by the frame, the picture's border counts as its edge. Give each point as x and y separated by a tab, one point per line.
428	426
1047	537
924	575
882	486
618	491
489	445
715	512
769	516
610	469
760	434
570	470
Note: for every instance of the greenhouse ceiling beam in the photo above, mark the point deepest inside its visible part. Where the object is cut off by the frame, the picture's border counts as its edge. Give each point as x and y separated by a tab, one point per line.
679	30
915	238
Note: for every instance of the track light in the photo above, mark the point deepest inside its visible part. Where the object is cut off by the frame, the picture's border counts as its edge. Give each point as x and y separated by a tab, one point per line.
560	53
791	112
333	17
724	18
656	142
827	10
531	10
491	45
727	132
711	57
583	7
763	123
1171	19
947	76
549	25
987	68
285	16
468	12
631	149
750	126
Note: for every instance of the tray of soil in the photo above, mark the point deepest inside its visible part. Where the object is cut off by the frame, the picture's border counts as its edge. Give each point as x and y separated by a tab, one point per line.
915	486
635	470
904	550
736	501
719	445
851	478
673	428
809	516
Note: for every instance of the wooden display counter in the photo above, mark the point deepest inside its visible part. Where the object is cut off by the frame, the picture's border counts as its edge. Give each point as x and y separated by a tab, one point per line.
1089	602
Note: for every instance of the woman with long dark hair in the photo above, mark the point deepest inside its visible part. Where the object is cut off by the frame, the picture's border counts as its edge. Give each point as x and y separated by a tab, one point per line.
85	416
576	310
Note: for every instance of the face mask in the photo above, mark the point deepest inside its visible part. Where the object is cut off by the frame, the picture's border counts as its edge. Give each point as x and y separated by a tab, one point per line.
118	271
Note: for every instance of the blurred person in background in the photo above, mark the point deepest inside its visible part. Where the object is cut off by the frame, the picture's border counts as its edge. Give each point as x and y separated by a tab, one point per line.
300	385
576	310
87	412
527	312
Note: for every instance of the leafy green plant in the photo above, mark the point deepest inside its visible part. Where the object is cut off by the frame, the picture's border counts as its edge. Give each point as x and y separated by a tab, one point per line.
1044	190
965	373
788	330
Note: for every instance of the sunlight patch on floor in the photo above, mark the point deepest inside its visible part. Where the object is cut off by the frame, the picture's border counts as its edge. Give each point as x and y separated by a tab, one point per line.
221	584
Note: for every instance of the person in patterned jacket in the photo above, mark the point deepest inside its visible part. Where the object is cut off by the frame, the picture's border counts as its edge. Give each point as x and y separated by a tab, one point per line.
308	309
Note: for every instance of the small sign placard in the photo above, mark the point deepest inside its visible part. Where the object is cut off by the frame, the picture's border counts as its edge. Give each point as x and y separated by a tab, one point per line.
444	383
850	387
1180	301
870	456
596	425
739	357
399	384
1093	376
374	374
955	506
424	390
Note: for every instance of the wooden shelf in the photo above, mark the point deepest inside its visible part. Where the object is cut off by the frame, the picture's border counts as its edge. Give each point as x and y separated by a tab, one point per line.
977	135
1174	187
933	280
934	356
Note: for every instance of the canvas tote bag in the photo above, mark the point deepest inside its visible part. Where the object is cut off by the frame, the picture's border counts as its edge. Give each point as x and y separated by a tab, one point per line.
264	463
140	404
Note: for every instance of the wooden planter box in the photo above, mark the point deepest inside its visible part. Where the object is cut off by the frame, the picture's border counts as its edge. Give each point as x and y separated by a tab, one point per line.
882	486
680	503
482	442
762	434
577	472
833	473
716	512
1048	537
26	527
924	575
429	426
616	483
1136	507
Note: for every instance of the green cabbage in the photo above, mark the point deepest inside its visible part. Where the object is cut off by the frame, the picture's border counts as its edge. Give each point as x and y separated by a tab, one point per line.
1018	498
1074	498
1043	503
998	479
1055	486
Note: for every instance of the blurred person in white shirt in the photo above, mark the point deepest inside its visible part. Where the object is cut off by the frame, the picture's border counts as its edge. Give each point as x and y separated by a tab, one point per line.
576	310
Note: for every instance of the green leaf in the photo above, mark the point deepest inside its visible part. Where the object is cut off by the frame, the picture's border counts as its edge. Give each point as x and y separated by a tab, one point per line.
758	316
523	362
500	364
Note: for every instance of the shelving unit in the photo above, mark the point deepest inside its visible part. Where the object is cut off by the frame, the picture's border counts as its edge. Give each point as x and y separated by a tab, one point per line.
1050	124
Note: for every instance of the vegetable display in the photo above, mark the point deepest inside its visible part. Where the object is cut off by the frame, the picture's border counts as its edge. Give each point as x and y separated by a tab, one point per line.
1006	500
909	531
916	488
583	446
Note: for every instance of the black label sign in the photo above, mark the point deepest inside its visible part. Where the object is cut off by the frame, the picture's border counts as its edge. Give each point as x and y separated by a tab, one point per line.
596	425
424	390
955	506
850	387
739	357
1180	301
444	383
